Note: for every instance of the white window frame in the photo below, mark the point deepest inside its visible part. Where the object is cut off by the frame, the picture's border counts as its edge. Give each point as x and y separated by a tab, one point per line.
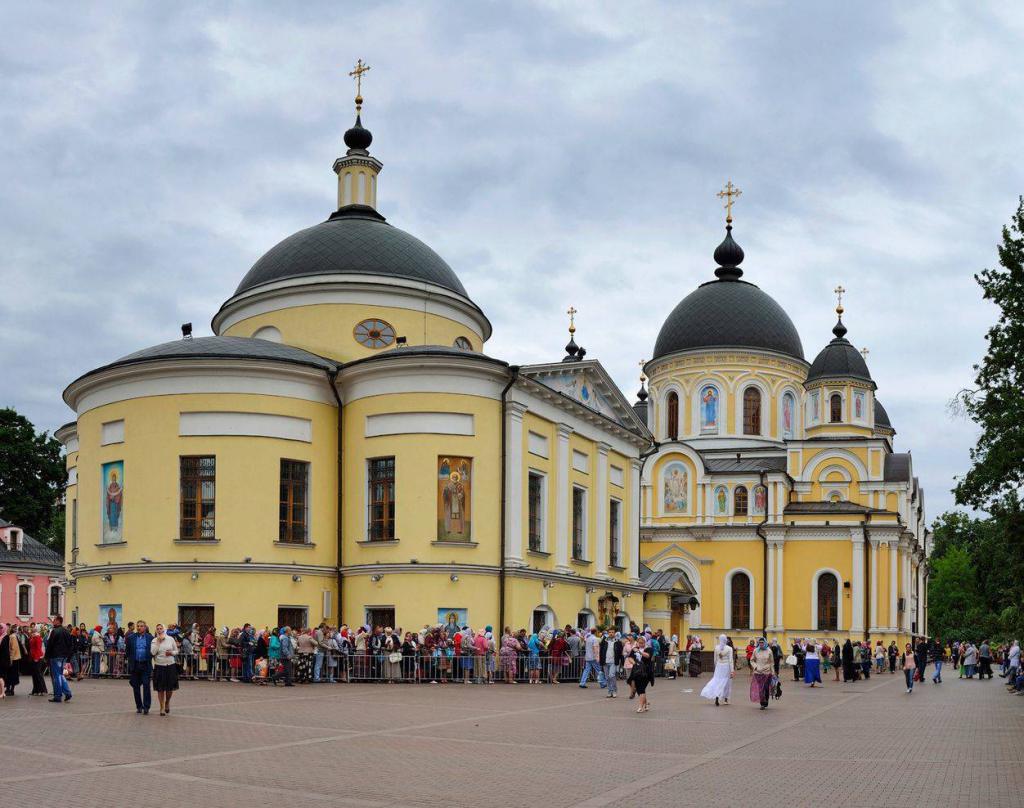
532	472
31	598
727	615
586	520
839	598
615	538
60	599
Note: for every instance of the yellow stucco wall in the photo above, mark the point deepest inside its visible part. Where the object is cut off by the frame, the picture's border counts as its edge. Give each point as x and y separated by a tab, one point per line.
327	329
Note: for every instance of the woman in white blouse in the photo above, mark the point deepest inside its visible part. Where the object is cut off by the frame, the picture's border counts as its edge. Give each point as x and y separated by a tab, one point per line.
165	667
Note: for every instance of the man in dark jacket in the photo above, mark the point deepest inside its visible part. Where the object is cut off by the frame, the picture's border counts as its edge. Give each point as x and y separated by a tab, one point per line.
611	659
139	661
921	658
59	647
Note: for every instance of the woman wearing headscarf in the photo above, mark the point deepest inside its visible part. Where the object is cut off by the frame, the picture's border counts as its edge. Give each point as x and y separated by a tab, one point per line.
761	667
672	658
693	666
837	658
534	646
305	651
812	663
36	654
509	654
96	647
557	649
642	673
720	686
392	647
165	667
847	657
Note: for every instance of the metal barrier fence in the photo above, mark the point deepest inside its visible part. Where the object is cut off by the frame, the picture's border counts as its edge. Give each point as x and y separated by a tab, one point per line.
361	667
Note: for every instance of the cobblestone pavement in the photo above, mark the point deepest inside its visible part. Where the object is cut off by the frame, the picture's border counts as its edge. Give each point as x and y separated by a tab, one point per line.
868	743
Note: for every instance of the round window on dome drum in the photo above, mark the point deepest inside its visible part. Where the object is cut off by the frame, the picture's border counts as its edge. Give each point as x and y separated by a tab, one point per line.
374	334
463	344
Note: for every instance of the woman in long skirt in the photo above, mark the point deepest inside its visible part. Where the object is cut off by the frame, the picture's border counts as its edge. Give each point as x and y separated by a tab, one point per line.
642	673
761	667
812	663
847	657
165	669
720	686
693	666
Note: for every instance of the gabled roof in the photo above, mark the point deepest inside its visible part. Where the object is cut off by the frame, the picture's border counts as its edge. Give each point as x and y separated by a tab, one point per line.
586	382
674	581
33	554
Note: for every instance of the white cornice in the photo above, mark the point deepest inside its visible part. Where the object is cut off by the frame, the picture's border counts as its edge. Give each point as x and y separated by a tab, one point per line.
96	570
163	377
493	571
357	289
422	373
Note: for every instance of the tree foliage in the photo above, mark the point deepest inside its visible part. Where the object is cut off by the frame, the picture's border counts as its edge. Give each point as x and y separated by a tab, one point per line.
996	403
32	475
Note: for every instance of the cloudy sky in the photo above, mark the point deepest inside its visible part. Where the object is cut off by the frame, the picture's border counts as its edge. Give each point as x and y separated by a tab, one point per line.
554	153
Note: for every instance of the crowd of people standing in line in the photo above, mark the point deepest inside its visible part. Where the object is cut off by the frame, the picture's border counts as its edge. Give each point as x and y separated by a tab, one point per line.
441	654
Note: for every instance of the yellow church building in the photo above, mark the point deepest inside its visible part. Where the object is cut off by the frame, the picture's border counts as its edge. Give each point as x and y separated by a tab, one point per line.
343	449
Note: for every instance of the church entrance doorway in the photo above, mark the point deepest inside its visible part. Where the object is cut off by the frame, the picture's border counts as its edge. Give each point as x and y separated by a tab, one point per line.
201	615
292	616
383	616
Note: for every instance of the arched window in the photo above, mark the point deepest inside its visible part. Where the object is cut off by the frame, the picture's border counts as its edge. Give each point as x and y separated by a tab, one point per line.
672	402
24	600
751	411
835	408
828	602
739	501
741	601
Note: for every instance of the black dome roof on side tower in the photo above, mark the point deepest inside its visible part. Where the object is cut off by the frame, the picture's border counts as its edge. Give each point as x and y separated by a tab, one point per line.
728	313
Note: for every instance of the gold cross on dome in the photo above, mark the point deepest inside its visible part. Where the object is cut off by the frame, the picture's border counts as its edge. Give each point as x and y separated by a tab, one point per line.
357	74
864	352
839	292
643	376
572	312
728	193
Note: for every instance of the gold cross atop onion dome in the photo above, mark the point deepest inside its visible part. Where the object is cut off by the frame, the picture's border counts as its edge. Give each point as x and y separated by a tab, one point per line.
839	292
643	376
572	312
729	193
357	74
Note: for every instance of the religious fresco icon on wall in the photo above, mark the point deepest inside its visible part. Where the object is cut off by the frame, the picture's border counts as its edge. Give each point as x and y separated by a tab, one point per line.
858	406
454	498
721	501
675	487
709	409
760	499
788	405
112	475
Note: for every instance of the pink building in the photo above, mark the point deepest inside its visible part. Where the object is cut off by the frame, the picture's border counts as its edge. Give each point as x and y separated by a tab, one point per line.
31	578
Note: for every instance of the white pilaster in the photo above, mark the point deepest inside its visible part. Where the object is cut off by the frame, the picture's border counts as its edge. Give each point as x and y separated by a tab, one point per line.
894	550
515	536
562	480
780	614
873	600
601	493
633	570
769	619
857	586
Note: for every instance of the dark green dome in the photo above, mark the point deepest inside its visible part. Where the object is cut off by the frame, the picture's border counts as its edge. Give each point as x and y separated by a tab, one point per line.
355	240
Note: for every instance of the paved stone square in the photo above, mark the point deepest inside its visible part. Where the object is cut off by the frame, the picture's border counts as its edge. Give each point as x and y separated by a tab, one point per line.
868	743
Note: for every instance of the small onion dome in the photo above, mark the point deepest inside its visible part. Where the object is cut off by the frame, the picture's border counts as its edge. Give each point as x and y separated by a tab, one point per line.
357	137
571	350
728	256
839	359
642	394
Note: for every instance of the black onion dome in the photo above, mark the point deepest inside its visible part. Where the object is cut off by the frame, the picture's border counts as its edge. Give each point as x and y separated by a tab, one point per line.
728	314
357	137
881	416
839	360
355	240
729	255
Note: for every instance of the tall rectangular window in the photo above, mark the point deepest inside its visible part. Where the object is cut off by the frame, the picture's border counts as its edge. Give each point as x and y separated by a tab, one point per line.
198	497
615	533
24	600
579	523
381	498
74	524
294	505
54	600
536	513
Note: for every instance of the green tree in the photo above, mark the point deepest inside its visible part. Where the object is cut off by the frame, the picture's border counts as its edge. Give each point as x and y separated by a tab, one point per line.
32	475
996	403
952	596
